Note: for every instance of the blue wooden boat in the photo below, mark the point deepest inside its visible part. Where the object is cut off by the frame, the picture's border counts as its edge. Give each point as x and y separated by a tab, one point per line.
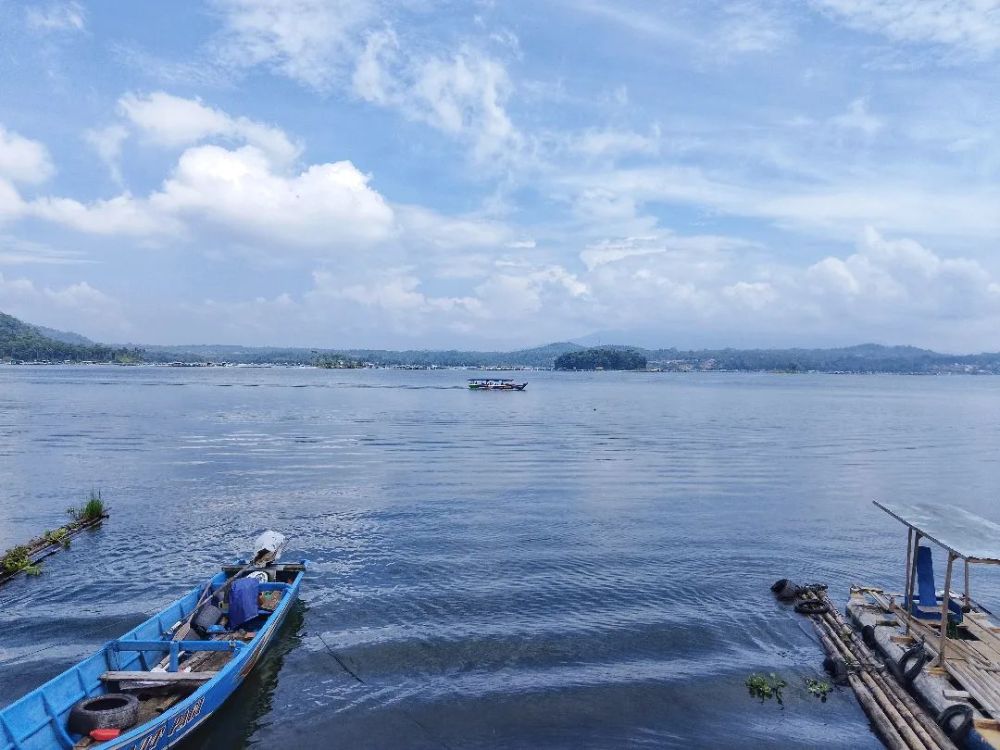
178	674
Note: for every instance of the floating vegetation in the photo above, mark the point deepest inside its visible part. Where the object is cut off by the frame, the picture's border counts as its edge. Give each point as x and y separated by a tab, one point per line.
24	558
92	510
58	536
766	687
18	560
819	688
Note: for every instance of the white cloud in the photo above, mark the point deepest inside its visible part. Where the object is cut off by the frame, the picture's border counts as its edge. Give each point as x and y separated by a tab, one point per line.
75	306
23	160
174	121
57	16
11	204
750	27
121	215
309	41
462	94
857	117
613	143
107	142
326	206
966	25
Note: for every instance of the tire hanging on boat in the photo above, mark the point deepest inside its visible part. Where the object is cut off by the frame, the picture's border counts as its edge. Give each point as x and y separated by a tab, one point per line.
107	711
955	710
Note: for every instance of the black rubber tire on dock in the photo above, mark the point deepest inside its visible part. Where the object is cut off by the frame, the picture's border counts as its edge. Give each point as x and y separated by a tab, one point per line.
836	667
955	710
108	711
868	636
918	656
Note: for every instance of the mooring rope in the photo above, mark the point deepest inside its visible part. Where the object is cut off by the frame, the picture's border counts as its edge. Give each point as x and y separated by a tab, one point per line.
430	735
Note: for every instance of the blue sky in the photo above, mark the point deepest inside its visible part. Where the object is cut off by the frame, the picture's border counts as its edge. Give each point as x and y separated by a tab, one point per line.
499	174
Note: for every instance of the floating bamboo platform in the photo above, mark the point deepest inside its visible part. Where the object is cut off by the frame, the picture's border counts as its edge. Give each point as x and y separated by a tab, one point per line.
970	675
896	716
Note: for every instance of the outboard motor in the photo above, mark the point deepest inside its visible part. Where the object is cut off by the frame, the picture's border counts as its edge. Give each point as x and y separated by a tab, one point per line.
268	547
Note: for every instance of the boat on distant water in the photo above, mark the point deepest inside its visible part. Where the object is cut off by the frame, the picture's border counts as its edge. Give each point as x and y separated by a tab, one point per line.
152	687
495	384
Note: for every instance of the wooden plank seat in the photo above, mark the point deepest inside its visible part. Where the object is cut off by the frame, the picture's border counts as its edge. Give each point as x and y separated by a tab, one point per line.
139	675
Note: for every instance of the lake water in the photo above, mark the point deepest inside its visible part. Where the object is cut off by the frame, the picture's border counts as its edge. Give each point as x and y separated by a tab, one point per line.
585	564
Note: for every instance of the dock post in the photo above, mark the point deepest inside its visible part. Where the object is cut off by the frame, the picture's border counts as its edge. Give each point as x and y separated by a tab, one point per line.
944	609
913	541
968	596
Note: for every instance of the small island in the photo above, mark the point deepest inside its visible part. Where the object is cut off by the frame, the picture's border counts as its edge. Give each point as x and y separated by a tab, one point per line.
601	358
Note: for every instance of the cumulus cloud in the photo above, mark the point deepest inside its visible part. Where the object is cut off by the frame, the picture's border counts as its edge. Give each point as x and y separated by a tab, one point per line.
73	306
175	121
254	192
324	206
23	160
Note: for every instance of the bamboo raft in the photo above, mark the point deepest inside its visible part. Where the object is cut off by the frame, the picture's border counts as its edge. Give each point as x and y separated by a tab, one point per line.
896	716
48	544
924	664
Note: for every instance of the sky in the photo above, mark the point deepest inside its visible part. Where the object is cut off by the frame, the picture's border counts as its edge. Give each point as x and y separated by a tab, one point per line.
487	174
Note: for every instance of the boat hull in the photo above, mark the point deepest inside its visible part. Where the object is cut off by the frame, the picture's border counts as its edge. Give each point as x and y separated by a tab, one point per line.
39	719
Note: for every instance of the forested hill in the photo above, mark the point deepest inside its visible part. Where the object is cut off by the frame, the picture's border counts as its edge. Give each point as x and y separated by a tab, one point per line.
862	358
22	342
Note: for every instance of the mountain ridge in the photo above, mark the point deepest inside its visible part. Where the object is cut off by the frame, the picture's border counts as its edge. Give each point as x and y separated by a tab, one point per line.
23	341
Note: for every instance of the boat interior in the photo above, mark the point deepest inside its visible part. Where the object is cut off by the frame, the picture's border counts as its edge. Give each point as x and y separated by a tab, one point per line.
150	662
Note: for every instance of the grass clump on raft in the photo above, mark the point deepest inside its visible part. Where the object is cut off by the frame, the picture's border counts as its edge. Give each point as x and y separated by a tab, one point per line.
90	510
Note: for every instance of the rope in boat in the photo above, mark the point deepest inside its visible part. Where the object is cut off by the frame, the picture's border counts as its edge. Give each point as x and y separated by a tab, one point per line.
430	735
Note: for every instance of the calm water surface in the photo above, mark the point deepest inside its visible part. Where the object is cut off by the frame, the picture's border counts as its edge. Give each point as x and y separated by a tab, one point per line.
582	565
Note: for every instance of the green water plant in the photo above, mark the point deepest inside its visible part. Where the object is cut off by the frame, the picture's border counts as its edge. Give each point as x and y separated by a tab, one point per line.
17	560
766	687
57	536
90	510
819	688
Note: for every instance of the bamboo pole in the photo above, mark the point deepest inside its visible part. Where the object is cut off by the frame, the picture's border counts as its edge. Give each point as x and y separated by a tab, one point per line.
922	717
945	600
884	703
916	728
908	600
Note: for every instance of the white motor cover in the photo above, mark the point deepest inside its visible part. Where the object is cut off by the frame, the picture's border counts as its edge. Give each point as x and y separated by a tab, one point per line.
271	543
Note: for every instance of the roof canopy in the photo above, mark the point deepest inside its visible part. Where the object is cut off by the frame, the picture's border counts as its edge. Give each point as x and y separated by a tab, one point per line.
965	534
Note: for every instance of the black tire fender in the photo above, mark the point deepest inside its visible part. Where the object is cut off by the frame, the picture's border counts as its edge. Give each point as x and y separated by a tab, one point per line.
812	607
946	719
784	590
836	667
868	636
918	656
106	711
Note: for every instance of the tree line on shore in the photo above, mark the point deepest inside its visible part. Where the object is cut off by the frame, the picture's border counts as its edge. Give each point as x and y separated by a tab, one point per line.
20	341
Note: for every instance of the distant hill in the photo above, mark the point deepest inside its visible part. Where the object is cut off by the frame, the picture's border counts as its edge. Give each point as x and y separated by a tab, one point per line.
67	337
22	342
542	356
